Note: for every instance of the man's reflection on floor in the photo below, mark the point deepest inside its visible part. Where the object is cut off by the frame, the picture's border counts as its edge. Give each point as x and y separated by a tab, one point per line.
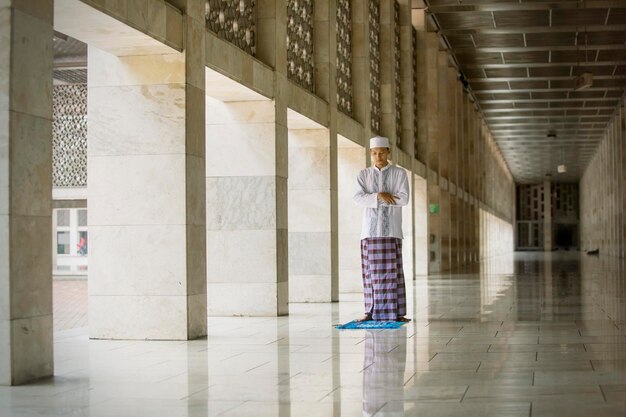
383	376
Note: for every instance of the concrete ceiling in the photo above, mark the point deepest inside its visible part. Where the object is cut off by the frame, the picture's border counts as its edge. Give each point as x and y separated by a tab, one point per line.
521	58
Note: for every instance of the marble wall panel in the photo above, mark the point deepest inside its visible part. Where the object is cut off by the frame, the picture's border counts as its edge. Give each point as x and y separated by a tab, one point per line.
407	231
351	159
140	70
309	168
136	120
149	260
234	299
350	279
122	183
240	112
32	351
241	203
31	165
420	243
241	256
29	63
350	216
241	149
309	254
309	211
309	288
138	317
308	138
30	281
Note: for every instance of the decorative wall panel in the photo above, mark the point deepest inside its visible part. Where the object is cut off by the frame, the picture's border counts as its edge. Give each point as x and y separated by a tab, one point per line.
234	21
69	135
300	65
396	70
374	48
344	57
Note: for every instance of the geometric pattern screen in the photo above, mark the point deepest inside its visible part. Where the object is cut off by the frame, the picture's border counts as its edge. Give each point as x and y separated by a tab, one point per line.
233	21
344	57
396	68
300	64
69	135
374	53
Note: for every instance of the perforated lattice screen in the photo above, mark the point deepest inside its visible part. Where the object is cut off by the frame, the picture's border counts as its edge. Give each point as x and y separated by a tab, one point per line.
300	65
233	21
396	69
374	47
69	135
344	57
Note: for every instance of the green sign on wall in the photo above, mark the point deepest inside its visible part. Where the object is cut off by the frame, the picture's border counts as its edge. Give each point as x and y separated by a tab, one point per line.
433	208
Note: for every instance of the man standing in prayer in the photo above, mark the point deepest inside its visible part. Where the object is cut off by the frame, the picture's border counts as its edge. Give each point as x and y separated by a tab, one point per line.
382	189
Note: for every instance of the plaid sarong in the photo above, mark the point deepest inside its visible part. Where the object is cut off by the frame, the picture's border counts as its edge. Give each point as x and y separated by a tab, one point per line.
383	278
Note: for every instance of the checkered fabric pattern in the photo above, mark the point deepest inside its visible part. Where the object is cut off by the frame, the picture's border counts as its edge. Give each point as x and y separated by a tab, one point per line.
383	278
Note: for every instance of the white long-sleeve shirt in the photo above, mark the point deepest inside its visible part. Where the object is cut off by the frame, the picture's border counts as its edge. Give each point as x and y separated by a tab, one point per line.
381	219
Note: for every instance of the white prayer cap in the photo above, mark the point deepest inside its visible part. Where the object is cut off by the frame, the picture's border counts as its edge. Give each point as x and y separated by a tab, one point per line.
379	142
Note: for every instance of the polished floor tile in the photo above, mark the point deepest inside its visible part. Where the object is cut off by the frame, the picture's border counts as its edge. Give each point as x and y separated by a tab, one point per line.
530	335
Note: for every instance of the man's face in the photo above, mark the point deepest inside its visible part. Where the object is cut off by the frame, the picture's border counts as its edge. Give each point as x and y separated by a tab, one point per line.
380	157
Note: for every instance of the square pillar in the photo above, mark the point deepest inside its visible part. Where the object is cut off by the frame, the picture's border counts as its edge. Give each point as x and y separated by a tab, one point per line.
310	239
246	182
26	351
146	195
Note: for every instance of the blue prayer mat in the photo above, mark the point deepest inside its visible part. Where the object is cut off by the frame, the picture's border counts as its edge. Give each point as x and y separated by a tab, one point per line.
372	324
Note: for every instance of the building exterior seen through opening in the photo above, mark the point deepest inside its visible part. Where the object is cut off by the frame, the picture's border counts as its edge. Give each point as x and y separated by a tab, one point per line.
178	234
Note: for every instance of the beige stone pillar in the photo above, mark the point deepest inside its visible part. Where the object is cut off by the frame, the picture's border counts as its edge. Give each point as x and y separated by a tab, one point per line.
443	139
429	126
310	249
420	231
246	210
351	159
25	191
547	216
253	225
147	218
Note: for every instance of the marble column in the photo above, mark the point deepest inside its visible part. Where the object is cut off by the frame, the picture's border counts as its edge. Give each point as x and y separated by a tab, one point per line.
251	223
310	252
408	216
247	253
26	350
420	232
146	193
351	160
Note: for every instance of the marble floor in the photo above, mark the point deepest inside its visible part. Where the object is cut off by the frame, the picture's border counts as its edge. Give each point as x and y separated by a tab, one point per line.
527	335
